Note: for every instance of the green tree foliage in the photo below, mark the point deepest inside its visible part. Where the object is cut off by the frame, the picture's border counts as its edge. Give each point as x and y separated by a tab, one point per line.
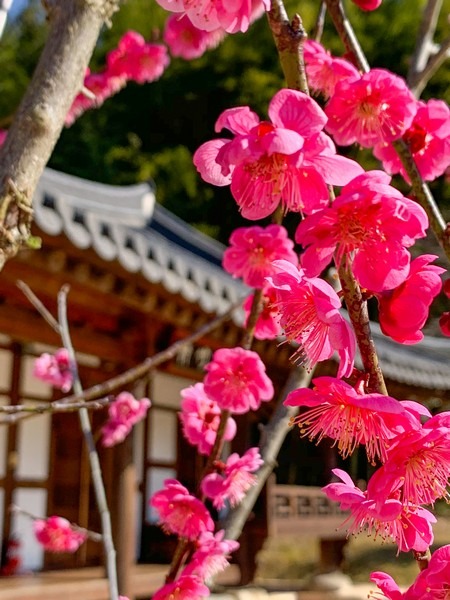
151	131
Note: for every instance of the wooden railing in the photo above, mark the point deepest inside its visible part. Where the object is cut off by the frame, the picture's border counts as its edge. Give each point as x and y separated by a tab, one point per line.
295	510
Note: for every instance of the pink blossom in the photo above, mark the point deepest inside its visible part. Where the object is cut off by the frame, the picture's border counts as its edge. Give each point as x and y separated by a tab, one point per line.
417	467
369	225
252	251
102	85
200	417
186	587
268	323
123	414
209	16
374	108
56	534
428	138
444	323
211	555
236	479
136	60
431	583
3	136
187	41
180	512
55	369
351	417
387	585
367	4
236	379
309	315
288	159
404	310
324	70
409	527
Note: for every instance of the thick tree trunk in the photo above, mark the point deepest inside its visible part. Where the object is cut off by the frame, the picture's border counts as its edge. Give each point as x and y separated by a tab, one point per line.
74	28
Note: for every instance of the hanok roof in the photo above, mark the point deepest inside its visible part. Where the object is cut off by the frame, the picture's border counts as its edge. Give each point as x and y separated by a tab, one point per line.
126	224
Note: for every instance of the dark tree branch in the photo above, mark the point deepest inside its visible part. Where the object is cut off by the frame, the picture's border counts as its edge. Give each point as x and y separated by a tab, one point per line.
272	438
74	29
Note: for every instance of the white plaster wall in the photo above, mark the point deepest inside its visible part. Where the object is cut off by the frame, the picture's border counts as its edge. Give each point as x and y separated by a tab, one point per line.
166	389
162	443
33	448
6	361
3	438
31	386
35	502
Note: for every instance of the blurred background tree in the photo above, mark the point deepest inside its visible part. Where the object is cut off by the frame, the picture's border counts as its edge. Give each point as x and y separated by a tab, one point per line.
151	131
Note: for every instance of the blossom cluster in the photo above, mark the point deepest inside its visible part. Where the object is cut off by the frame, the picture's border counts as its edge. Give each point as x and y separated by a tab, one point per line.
414	457
235	382
123	414
56	534
368	229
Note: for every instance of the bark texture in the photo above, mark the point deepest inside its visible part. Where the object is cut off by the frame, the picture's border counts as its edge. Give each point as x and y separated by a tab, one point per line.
74	28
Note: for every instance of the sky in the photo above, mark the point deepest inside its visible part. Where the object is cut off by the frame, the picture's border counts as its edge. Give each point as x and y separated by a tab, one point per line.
17	6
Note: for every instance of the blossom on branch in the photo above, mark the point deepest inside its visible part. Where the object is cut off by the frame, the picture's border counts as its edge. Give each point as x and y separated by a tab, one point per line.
428	139
200	417
101	86
432	583
373	108
210	16
123	413
136	60
211	555
324	70
369	226
55	369
234	481
409	527
403	311
367	4
267	325
236	379
180	512
287	159
252	252
187	41
186	587
56	534
417	467
309	315
350	417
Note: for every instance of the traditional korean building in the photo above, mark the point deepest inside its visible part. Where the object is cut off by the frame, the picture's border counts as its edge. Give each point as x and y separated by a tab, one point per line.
140	279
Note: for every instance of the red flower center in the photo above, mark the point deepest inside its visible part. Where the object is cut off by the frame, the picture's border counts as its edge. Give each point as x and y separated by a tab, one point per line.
415	137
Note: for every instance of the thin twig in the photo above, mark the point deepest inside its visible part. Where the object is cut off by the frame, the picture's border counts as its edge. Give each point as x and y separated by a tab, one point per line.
359	316
347	35
54	407
289	39
422	194
431	67
39	306
92	535
102	391
94	461
320	22
424	41
271	440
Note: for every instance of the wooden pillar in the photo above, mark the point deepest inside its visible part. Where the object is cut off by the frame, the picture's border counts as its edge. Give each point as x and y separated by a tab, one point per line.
125	513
